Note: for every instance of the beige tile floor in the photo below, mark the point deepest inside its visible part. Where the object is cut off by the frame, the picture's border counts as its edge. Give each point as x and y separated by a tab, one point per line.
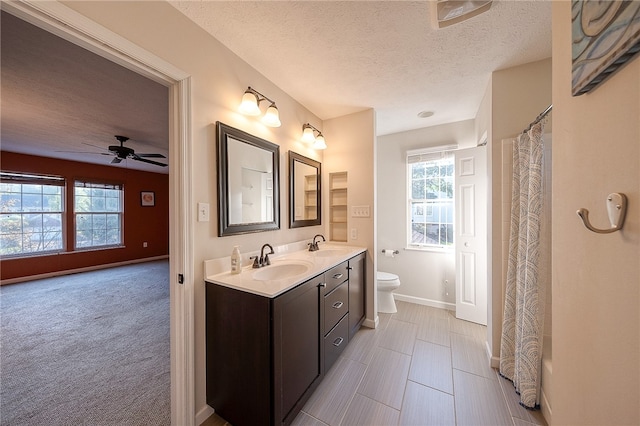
421	366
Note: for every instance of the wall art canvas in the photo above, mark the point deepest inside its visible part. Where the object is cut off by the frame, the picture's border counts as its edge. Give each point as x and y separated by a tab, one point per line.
606	34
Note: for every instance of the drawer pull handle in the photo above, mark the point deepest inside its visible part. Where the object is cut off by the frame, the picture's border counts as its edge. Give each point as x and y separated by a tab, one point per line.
338	341
337	305
337	276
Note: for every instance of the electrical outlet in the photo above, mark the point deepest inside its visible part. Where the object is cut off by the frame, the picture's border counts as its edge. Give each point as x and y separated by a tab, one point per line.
360	211
203	212
144	244
354	233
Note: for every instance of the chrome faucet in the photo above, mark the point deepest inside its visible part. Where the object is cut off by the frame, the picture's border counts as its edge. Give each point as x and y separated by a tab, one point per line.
313	245
263	260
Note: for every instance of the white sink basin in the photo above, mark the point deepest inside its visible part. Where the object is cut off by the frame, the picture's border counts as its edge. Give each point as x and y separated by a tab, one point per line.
280	271
330	252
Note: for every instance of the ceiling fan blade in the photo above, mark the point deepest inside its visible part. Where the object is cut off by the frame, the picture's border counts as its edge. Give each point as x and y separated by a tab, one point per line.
151	155
86	152
101	148
116	160
138	158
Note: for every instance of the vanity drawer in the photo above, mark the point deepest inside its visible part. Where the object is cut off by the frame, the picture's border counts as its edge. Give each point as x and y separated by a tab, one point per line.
335	342
336	304
336	276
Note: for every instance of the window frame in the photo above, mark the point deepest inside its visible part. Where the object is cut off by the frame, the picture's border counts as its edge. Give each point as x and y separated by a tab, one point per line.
26	178
436	154
98	185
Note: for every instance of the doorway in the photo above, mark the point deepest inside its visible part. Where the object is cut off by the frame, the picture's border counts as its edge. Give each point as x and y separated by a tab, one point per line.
60	20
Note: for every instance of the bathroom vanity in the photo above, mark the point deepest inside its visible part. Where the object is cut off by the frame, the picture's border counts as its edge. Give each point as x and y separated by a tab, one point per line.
272	333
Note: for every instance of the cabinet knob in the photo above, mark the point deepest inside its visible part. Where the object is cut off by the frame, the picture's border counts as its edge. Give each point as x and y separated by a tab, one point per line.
322	285
349	268
338	341
337	305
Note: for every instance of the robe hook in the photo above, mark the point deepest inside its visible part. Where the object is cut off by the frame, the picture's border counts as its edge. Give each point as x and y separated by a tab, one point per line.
616	208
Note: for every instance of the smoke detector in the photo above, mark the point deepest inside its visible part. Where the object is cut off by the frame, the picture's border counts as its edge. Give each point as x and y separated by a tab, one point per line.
449	12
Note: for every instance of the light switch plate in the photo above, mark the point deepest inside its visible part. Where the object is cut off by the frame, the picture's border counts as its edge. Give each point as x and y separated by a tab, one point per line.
203	212
360	211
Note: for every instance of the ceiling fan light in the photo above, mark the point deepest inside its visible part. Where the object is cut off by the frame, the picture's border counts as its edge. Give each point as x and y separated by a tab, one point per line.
307	134
272	116
249	104
320	143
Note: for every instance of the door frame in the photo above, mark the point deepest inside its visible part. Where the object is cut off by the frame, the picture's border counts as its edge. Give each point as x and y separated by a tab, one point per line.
64	22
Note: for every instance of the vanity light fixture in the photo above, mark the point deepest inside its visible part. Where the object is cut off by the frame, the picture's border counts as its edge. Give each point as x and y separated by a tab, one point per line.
250	105
309	136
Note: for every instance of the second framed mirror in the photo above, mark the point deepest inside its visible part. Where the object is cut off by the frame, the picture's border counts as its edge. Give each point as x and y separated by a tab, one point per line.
305	205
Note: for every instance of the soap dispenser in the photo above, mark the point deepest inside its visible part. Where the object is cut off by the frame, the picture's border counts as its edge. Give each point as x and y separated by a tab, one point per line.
236	261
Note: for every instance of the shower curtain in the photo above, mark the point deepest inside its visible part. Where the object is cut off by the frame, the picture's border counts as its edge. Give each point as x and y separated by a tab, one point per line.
523	319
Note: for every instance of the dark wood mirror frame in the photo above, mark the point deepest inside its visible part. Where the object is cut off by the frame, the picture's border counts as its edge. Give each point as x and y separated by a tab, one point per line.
224	133
298	223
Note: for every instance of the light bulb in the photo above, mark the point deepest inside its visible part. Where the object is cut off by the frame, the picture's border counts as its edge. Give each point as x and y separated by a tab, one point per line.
319	143
249	104
307	135
272	117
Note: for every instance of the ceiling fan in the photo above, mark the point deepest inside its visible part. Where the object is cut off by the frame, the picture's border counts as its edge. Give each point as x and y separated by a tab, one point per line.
121	152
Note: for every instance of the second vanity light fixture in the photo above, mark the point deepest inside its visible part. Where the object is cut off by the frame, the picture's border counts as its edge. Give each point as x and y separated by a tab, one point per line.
309	136
250	105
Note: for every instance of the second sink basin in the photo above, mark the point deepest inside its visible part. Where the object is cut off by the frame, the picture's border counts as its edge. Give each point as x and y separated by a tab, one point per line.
330	252
279	271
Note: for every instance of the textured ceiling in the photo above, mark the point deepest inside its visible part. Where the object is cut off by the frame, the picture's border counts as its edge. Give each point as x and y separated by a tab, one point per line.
335	58
57	96
340	57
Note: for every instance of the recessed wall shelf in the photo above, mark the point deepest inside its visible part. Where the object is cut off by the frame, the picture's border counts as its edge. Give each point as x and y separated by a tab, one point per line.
338	212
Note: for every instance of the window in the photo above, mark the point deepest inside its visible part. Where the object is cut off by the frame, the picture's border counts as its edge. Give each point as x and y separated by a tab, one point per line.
31	209
98	211
431	210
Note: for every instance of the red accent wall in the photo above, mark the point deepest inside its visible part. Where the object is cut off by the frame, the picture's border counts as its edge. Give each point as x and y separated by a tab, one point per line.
150	224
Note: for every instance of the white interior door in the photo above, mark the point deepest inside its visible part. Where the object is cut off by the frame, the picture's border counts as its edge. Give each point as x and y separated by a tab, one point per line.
471	234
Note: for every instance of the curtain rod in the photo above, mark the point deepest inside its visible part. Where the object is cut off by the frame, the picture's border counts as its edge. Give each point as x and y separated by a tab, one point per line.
538	118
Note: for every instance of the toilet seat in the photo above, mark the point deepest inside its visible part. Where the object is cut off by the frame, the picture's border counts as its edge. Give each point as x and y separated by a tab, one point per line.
385	276
387	281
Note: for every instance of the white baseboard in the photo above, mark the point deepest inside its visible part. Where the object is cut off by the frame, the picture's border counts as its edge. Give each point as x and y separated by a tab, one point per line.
371	323
426	302
204	413
494	361
85	269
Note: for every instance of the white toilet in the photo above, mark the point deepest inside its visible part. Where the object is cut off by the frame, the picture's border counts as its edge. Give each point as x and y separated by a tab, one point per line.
387	283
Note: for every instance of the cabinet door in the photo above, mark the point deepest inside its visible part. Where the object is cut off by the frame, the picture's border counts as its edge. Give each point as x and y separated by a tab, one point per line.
297	348
357	293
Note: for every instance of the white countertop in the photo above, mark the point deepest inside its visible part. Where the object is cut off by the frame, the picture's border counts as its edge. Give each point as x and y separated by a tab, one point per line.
314	263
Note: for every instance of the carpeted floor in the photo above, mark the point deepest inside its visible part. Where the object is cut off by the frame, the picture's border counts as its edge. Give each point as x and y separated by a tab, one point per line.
87	349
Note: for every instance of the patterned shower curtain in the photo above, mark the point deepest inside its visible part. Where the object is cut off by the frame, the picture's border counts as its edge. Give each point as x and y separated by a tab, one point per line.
523	319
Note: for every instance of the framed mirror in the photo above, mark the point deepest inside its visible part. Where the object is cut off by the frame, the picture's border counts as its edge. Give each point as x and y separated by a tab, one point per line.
304	191
248	182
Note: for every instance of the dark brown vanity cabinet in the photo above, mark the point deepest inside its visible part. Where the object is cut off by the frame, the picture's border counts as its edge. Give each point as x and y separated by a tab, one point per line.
265	356
357	293
335	307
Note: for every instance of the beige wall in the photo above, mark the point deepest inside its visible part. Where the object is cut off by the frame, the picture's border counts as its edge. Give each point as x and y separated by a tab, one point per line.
518	95
422	273
596	278
350	148
219	79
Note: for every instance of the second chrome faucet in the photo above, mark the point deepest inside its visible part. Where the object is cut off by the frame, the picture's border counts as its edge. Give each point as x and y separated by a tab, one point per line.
263	260
313	245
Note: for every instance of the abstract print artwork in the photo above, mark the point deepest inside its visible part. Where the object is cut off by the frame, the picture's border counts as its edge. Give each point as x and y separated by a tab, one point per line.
605	35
